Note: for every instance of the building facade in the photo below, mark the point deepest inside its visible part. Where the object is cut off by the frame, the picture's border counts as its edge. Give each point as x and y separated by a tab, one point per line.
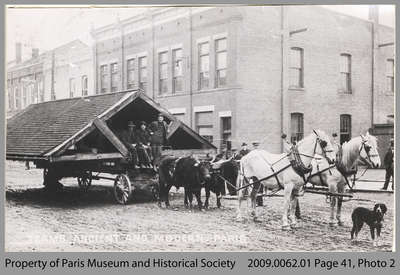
63	72
239	74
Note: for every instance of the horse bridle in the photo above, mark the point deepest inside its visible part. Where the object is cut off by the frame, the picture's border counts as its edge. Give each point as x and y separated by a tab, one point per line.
322	143
367	149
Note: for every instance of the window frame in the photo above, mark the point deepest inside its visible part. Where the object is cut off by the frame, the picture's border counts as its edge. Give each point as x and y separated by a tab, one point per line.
114	71
343	133
162	79
298	134
299	70
201	81
142	84
347	74
218	51
198	126
103	79
226	133
390	75
130	71
84	85
72	87
177	77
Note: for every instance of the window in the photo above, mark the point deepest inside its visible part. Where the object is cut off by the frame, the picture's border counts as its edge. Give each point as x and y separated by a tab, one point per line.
204	65
17	93
226	128
84	85
345	72
296	127
143	73
32	92
177	70
114	77
390	75
130	67
345	128
221	62
296	69
72	87
24	96
103	79
204	125
163	72
10	97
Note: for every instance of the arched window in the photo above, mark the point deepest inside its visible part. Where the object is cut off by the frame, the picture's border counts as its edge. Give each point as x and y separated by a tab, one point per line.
296	127
345	128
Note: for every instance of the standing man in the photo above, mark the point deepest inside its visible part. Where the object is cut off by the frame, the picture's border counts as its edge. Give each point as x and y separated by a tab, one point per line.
143	147
388	161
128	138
158	132
243	151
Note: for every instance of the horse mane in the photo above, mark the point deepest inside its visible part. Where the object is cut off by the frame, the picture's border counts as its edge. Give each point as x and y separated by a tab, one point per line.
350	151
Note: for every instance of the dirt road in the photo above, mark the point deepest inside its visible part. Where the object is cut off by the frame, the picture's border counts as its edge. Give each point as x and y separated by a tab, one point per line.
72	220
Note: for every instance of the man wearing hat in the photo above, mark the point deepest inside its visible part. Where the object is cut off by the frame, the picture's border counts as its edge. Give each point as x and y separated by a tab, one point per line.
128	138
158	132
255	144
388	162
243	151
143	147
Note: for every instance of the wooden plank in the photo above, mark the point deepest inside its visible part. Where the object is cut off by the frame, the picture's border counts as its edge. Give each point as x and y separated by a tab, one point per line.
200	153
103	128
172	128
86	156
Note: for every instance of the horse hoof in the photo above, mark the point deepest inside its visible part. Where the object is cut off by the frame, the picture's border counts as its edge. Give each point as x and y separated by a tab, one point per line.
332	224
285	227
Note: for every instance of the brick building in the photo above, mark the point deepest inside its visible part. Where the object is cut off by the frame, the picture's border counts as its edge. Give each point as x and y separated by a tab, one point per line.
250	73
63	72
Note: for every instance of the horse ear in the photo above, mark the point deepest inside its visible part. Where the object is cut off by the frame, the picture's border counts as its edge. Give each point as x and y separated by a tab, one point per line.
367	134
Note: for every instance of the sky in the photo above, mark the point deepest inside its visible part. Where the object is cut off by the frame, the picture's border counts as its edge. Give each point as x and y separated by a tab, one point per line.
47	28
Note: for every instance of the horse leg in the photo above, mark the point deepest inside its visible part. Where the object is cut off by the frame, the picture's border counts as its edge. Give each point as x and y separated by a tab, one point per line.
254	202
339	205
333	189
240	192
287	192
293	210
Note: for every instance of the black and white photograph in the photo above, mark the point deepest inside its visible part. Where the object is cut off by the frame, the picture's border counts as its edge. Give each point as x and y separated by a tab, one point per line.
226	128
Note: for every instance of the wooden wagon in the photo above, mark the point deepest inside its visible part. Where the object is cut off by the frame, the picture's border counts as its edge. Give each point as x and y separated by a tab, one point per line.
78	137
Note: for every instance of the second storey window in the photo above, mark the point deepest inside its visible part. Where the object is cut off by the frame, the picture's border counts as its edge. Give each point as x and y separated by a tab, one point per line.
41	89
114	77
84	85
17	93
296	69
72	87
220	62
345	72
296	127
103	79
143	73
130	67
177	70
204	65
390	75
163	72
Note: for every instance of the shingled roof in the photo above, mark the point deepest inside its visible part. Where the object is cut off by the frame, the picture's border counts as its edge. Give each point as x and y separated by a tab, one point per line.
41	129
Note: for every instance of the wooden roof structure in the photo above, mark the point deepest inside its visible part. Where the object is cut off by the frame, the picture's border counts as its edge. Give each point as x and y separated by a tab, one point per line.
46	130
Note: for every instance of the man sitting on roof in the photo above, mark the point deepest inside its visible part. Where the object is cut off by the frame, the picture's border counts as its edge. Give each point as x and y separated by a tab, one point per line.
143	147
129	139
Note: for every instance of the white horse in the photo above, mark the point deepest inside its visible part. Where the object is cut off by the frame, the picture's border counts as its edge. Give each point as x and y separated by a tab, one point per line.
363	147
276	171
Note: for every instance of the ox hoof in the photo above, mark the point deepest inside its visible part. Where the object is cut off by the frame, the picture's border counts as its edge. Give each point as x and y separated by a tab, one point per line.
286	227
340	223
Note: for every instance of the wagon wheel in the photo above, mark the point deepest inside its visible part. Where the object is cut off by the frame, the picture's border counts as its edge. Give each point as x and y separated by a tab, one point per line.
155	192
85	180
122	188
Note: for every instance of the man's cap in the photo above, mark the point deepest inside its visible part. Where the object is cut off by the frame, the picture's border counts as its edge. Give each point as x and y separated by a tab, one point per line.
143	123
130	123
255	143
244	144
160	115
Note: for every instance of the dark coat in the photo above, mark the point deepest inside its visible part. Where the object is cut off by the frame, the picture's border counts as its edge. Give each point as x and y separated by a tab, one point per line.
388	161
143	136
159	130
128	138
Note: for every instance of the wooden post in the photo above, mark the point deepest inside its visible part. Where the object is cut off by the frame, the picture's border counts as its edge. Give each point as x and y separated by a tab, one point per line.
103	128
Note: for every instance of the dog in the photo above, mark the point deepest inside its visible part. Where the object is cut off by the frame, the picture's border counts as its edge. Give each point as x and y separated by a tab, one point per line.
373	218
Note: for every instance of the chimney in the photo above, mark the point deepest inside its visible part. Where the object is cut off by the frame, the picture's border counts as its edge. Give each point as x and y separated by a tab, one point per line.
373	13
35	52
18	52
